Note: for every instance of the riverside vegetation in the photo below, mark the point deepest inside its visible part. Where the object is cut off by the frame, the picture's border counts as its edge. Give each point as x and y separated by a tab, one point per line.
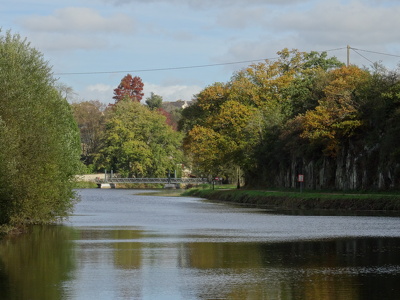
301	113
310	200
39	148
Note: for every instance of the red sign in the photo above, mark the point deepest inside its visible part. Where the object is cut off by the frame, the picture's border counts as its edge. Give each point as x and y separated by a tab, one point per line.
301	178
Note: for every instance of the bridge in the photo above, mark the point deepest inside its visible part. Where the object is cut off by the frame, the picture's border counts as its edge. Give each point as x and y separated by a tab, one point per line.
111	182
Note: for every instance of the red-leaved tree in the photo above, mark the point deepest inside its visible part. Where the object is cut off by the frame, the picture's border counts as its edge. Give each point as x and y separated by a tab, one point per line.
168	119
130	87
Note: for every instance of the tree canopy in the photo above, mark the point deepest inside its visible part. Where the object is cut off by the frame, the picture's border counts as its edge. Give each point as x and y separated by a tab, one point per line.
154	101
300	112
130	87
90	116
137	142
39	149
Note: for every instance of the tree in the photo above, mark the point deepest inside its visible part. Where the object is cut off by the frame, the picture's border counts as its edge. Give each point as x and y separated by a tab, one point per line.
225	138
245	116
206	149
168	118
90	116
207	102
137	142
337	115
66	91
130	87
39	152
154	101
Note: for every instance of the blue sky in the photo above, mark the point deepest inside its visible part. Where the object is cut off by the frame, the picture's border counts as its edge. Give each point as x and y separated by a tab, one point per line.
121	36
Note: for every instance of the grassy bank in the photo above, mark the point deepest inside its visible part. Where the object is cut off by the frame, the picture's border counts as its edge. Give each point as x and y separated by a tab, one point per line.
85	185
307	200
304	200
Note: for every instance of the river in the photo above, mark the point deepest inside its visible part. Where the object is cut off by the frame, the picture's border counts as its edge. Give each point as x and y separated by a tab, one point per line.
120	244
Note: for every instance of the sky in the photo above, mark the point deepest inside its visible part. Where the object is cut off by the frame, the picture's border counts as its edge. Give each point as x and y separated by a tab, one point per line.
179	47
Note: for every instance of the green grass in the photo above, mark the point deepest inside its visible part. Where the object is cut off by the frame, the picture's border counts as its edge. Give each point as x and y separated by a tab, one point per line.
85	185
300	195
303	200
324	195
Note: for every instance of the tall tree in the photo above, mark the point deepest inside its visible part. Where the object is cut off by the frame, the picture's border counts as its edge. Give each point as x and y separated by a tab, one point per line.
226	138
337	115
206	149
39	152
207	102
130	87
137	142
154	101
90	116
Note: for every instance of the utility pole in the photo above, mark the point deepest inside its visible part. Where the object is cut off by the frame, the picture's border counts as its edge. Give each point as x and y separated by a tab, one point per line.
238	178
348	55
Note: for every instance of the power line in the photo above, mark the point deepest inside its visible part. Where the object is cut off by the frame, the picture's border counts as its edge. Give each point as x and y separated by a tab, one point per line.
166	69
369	51
212	65
362	55
178	68
375	52
335	49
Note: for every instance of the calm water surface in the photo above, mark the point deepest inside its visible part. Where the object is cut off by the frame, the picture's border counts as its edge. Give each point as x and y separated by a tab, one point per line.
121	245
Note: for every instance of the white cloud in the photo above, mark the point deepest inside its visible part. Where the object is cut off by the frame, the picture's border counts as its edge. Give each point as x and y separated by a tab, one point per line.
100	91
67	41
239	18
205	4
75	28
174	33
172	92
355	22
100	87
323	26
78	20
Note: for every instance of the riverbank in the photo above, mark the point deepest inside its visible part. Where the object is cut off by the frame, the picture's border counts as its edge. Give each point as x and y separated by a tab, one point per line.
288	200
302	201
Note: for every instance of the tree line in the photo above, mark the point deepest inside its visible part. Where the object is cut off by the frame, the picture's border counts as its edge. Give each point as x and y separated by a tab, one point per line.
302	114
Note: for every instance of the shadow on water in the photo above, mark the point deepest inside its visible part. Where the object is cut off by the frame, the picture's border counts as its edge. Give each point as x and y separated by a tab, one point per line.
35	265
53	262
332	269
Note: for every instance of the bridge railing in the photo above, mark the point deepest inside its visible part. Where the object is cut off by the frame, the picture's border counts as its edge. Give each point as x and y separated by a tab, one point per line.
153	180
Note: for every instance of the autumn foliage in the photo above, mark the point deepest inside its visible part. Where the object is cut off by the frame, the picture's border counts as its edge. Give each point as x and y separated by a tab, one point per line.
130	87
337	116
304	113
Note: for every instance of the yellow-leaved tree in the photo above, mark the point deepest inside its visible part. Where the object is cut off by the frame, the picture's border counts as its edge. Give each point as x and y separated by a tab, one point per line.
337	115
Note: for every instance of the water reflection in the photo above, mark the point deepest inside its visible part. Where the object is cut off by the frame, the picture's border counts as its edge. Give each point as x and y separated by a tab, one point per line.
127	254
35	265
338	269
58	262
178	249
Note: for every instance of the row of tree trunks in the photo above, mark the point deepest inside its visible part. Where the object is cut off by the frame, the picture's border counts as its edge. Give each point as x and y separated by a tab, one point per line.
351	169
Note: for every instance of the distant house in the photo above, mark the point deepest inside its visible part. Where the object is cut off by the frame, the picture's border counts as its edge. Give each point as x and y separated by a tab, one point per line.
180	104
